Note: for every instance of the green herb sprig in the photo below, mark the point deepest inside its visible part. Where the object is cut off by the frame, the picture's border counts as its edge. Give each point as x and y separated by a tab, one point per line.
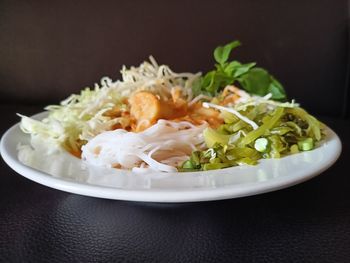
255	80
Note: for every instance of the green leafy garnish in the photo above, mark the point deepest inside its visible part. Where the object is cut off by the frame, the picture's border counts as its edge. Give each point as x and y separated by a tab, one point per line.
254	80
221	54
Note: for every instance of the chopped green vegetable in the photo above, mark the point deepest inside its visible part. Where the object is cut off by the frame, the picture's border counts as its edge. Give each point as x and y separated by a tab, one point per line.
294	149
195	158
247	161
314	126
212	137
277	146
214	166
281	130
276	115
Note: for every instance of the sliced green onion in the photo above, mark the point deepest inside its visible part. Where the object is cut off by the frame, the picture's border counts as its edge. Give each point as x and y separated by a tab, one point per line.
261	144
306	145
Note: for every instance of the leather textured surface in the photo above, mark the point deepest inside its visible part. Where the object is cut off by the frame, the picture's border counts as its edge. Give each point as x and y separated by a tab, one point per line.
50	49
309	222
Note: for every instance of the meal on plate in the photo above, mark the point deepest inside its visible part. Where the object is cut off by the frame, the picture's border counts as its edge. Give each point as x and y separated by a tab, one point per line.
157	120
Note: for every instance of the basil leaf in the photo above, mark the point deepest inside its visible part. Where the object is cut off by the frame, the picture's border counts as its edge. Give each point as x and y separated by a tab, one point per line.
244	68
276	89
231	67
197	86
256	81
208	79
214	81
237	69
221	53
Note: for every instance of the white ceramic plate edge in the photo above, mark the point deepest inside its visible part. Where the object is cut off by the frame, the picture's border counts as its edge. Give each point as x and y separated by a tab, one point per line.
156	195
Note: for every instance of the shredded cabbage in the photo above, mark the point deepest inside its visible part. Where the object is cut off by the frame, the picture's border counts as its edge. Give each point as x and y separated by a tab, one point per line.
76	119
81	117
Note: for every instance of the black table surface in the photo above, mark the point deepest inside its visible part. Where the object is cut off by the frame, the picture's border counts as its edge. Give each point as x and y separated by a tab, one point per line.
309	222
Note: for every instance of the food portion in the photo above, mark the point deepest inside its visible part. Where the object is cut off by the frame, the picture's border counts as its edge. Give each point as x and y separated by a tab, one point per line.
157	120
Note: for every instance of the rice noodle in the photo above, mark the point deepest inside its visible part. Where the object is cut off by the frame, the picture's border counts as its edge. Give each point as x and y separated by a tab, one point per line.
161	147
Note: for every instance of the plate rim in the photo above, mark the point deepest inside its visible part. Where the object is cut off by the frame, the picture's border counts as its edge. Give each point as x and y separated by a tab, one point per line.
159	195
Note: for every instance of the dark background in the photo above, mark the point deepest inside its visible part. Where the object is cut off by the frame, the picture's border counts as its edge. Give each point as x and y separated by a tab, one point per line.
49	49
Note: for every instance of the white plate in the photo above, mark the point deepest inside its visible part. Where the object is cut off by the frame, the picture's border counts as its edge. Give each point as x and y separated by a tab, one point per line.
65	172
